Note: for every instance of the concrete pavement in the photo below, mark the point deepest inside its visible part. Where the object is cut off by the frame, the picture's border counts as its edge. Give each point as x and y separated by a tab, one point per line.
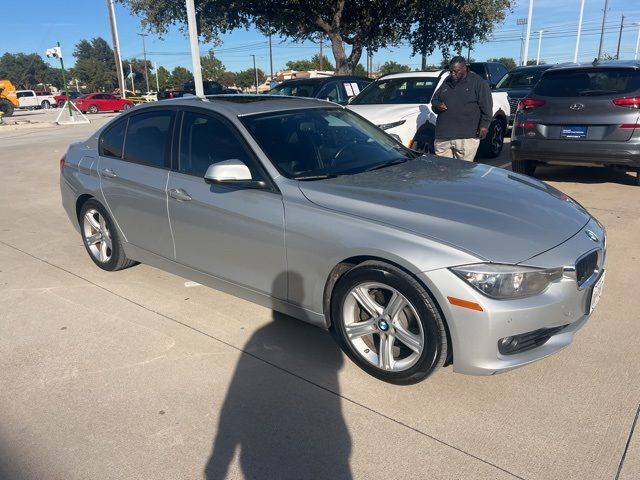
135	374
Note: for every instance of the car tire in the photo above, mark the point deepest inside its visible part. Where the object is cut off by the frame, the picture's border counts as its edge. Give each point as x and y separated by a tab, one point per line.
378	308
491	145
93	109
101	238
46	104
126	106
6	107
528	167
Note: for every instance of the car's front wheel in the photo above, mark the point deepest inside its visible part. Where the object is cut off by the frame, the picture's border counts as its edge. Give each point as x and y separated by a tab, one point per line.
101	238
93	109
491	145
388	324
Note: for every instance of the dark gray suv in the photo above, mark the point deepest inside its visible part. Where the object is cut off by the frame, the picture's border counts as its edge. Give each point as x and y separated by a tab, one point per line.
580	115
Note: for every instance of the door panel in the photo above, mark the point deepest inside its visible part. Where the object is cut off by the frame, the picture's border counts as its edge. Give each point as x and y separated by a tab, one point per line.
233	233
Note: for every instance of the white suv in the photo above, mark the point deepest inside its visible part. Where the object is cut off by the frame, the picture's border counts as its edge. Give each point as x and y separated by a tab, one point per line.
400	103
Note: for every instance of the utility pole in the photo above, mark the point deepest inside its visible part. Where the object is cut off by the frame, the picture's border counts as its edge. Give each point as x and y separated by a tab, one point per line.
157	81
620	38
133	85
116	48
575	55
255	71
637	42
321	54
270	60
195	48
526	41
540	32
604	19
144	53
523	22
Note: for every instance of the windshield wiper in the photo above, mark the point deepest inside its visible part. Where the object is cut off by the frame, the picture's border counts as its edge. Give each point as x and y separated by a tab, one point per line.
395	161
316	177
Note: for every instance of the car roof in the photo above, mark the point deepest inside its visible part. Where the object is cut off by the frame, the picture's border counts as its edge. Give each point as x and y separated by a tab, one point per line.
523	68
324	79
243	104
630	64
422	74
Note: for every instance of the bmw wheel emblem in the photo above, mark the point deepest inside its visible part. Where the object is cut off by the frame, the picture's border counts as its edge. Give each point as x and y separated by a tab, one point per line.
592	236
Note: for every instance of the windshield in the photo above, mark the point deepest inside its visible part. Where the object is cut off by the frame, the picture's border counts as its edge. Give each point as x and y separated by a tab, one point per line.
318	143
296	89
520	79
588	82
398	91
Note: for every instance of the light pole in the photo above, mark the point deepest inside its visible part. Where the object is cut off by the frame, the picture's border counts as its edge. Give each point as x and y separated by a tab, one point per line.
526	41
575	55
116	49
255	71
540	32
195	48
637	42
604	19
144	53
523	22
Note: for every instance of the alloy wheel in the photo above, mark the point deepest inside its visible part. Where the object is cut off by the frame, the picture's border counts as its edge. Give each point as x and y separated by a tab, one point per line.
97	236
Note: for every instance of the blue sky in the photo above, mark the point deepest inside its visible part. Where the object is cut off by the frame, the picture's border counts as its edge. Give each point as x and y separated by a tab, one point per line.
36	25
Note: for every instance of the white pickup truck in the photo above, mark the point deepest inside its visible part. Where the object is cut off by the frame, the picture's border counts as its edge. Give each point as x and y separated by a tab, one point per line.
31	99
400	104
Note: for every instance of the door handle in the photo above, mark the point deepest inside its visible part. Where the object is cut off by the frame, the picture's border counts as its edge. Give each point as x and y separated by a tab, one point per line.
107	172
179	194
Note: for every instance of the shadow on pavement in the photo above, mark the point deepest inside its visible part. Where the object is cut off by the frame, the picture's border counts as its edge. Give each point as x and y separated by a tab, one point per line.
281	425
585	175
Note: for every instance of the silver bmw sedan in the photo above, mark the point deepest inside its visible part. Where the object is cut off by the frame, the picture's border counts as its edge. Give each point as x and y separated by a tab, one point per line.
411	261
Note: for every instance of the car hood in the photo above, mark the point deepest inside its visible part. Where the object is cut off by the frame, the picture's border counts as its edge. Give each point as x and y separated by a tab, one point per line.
495	214
381	113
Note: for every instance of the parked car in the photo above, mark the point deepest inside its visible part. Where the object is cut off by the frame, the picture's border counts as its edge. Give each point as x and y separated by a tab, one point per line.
30	99
189	88
411	261
336	88
63	96
400	104
518	83
492	72
102	102
580	115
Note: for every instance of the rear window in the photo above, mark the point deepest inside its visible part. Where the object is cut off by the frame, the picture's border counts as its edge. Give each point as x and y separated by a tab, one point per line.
588	82
398	91
522	78
297	89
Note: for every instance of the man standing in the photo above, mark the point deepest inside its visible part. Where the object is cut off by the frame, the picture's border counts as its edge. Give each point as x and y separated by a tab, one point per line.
464	107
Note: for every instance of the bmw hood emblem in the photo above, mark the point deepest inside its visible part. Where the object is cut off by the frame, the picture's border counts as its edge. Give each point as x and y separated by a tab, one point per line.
592	236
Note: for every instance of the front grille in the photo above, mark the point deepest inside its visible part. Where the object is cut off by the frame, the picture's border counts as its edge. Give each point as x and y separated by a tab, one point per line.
528	341
586	266
513	104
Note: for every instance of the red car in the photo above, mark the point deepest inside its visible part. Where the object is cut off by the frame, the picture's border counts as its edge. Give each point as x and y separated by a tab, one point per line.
102	102
62	97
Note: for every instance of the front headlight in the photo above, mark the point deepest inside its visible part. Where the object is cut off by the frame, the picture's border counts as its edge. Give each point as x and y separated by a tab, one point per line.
507	281
387	126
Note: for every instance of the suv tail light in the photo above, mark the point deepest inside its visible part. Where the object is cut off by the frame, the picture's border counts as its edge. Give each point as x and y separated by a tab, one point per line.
525	125
527	103
629	102
62	160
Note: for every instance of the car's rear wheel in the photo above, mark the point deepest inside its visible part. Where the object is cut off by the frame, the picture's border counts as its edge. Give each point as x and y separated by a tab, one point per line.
491	146
101	238
528	167
93	109
46	104
387	323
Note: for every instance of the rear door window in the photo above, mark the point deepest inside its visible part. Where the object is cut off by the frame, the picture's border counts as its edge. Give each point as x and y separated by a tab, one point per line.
148	138
588	82
112	140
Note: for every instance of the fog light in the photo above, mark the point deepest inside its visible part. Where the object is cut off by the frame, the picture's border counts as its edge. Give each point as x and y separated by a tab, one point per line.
507	344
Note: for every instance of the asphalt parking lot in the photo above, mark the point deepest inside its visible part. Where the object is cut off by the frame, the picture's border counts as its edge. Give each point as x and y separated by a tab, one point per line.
140	374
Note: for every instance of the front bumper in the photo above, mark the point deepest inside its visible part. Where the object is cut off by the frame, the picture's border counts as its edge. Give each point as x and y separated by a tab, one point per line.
475	335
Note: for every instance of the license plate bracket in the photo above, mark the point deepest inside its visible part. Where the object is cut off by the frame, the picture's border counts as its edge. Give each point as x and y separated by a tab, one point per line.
573	131
596	293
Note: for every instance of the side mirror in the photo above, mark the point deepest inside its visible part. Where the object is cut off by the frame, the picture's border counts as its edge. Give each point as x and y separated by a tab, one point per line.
233	172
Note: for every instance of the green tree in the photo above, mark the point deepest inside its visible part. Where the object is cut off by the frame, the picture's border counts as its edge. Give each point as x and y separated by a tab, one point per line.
164	77
313	64
373	24
25	70
393	67
508	62
360	70
95	64
247	78
228	79
533	62
180	76
136	66
212	68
